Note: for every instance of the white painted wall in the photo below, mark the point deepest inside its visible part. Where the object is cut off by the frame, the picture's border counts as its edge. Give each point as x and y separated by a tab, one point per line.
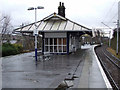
55	35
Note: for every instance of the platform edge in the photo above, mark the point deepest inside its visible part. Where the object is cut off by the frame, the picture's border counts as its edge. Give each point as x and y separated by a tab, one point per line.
108	85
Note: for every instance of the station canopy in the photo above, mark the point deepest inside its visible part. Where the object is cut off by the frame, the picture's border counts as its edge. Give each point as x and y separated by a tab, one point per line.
53	23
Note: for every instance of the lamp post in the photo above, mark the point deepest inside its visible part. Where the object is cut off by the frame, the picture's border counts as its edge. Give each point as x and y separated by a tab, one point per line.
109	39
117	37
35	31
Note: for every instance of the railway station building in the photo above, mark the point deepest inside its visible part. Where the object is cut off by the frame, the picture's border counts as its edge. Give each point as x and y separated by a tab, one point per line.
60	35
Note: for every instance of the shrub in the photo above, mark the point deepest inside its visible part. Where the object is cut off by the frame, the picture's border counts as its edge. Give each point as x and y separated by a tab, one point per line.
18	48
11	49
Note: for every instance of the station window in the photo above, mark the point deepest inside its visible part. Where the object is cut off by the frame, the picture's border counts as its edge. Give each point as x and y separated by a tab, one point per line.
55	45
51	41
51	48
55	48
64	41
64	49
46	41
60	41
46	48
55	41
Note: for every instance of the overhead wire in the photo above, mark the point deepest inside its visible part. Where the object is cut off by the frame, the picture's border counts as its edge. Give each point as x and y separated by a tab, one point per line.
109	10
112	18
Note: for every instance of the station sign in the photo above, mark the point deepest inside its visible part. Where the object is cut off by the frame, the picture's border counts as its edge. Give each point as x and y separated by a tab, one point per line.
35	32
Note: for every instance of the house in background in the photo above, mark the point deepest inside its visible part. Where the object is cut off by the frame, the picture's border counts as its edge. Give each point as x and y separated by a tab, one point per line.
59	34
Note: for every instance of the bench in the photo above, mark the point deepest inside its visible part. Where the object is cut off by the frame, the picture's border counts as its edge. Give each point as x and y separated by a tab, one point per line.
44	57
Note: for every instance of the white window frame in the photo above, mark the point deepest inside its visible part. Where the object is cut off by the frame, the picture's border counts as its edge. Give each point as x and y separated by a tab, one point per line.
55	45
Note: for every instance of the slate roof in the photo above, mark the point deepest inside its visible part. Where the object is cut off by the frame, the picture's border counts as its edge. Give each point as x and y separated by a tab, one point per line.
53	22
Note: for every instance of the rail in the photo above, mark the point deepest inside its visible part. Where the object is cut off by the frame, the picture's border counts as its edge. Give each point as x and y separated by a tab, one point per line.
108	74
112	79
117	65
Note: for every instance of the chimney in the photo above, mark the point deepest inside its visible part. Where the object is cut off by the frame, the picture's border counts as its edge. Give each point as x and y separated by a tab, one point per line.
61	9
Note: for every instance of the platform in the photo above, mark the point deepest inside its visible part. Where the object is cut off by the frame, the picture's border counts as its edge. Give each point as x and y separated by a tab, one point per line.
21	71
92	75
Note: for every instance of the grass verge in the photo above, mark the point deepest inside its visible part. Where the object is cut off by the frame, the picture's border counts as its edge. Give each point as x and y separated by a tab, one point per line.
112	51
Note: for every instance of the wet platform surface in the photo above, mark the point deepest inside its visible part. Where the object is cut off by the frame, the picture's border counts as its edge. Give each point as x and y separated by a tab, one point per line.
91	75
21	71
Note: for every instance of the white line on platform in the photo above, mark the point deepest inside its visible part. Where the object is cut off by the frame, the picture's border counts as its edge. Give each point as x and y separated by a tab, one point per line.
102	71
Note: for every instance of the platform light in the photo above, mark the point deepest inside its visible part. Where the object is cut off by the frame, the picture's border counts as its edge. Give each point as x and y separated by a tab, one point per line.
35	31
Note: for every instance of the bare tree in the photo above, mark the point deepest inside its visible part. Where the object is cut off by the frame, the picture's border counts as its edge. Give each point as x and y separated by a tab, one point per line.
6	27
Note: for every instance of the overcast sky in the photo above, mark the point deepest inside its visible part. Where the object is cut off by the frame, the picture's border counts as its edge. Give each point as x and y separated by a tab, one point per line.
89	13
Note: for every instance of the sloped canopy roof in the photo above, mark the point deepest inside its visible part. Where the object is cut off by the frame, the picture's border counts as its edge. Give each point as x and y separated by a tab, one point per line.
53	22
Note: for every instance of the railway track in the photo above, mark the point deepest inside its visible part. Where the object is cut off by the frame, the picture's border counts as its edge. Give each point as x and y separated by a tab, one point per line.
110	65
114	60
